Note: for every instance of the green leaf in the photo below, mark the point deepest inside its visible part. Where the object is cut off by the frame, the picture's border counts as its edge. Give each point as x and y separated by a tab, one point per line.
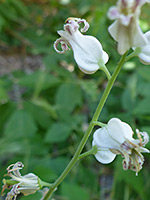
58	132
37	195
74	192
20	7
126	101
42	117
68	97
43	103
32	80
143	88
142	107
144	72
20	124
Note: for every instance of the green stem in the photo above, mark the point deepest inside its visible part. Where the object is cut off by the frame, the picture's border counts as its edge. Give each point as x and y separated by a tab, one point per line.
104	69
89	130
99	124
133	54
43	183
92	151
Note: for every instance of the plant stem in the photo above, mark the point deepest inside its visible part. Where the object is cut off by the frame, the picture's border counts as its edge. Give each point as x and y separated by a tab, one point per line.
89	130
92	151
105	70
133	54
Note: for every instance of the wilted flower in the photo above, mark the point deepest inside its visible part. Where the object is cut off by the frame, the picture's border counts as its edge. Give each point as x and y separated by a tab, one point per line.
144	54
116	138
26	185
126	30
88	52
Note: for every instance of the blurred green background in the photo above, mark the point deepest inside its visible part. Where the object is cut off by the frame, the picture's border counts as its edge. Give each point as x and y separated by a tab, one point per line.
46	102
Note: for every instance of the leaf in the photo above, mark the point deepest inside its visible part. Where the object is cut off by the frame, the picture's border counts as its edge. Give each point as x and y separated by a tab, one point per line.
144	72
126	101
35	196
74	192
58	132
32	80
20	7
20	124
43	103
41	117
68	97
143	107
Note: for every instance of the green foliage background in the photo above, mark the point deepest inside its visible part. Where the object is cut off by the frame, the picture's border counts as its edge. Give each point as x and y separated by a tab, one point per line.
44	113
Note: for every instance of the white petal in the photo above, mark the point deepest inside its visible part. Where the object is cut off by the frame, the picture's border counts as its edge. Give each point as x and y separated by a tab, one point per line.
102	139
125	20
104	156
144	56
113	13
105	57
137	36
119	131
87	52
120	33
113	30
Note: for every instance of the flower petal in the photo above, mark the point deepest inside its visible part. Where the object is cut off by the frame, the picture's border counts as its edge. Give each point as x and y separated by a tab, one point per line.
137	36
87	52
144	56
119	131
113	13
104	156
120	33
103	140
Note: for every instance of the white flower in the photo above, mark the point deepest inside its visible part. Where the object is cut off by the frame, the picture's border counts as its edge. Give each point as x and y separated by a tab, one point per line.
144	54
26	185
116	138
126	30
88	52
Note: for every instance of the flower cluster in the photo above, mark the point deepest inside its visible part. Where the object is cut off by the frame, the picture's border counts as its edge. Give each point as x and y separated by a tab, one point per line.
27	184
117	138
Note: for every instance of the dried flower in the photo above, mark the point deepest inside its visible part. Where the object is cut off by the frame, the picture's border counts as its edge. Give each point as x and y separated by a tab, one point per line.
88	52
116	138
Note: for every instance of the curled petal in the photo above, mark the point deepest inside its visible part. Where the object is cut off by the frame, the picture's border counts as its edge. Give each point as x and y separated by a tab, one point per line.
64	46
113	13
76	21
15	169
145	137
86	25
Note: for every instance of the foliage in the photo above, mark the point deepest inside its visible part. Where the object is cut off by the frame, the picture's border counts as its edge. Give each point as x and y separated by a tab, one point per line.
45	112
